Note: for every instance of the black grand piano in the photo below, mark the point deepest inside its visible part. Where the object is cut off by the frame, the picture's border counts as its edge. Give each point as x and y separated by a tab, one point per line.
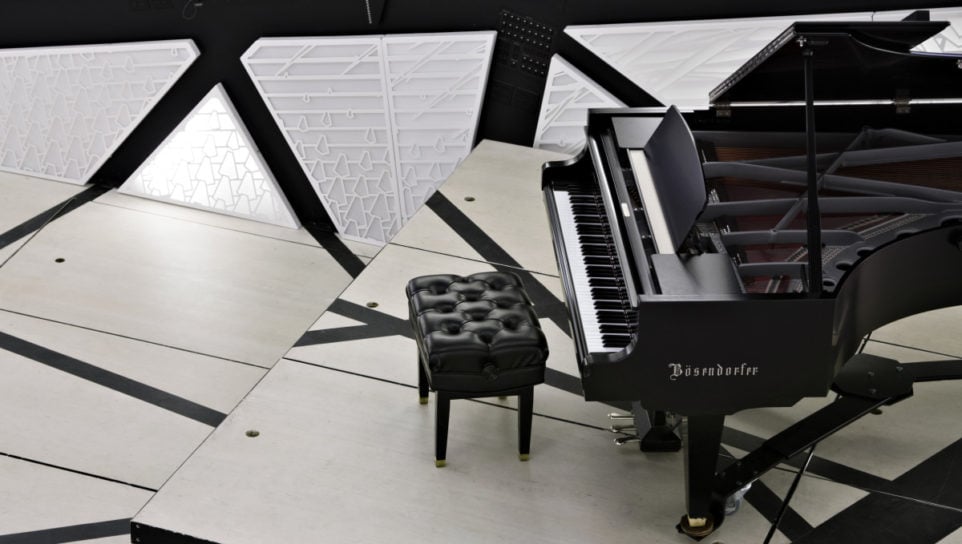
732	258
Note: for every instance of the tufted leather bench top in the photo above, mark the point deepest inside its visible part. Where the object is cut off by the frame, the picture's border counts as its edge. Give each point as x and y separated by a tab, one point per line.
476	333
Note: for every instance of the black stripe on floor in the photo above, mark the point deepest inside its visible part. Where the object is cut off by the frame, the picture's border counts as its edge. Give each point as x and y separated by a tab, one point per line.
37	222
341	334
922	506
379	325
819	466
545	302
111	380
376	325
75	471
565	382
154	535
72	533
340	252
763	499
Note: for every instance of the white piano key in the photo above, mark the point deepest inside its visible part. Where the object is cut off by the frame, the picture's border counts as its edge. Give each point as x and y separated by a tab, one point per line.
590	325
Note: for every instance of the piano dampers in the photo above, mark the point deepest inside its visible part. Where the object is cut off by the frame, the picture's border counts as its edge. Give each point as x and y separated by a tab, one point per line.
677	176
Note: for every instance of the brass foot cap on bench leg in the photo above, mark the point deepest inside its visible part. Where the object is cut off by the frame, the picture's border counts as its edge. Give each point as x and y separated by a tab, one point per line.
524	457
440	463
423	400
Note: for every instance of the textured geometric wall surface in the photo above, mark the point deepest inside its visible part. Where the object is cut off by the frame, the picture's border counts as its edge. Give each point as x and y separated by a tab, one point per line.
377	122
567	97
65	110
681	62
209	162
950	39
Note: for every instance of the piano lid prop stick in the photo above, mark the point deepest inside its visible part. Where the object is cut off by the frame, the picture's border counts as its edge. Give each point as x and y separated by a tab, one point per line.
814	221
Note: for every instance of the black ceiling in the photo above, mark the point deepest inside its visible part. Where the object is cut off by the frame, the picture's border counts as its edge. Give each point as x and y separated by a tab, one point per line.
224	29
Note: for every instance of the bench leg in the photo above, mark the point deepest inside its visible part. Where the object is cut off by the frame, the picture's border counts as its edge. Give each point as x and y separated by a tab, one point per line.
525	412
422	381
441	428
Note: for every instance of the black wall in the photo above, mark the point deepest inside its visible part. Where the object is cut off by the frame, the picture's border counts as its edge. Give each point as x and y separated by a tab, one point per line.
224	29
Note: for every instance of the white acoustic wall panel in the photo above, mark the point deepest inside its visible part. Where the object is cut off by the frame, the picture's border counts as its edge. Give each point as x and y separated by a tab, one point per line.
377	122
681	62
65	110
327	97
950	39
210	162
435	84
568	95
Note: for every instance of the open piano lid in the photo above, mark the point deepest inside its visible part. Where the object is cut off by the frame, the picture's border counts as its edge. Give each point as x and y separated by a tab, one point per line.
853	61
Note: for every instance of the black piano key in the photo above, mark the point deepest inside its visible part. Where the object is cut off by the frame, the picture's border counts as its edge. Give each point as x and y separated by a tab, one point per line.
605	277
616	341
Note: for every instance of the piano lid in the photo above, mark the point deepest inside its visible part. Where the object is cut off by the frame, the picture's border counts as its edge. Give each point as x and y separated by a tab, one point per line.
853	61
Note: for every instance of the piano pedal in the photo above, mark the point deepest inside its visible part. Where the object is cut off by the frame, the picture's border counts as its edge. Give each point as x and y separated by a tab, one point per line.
622	429
614	416
626	440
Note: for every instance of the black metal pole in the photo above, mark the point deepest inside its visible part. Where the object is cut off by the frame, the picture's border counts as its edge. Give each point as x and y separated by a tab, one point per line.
814	219
789	495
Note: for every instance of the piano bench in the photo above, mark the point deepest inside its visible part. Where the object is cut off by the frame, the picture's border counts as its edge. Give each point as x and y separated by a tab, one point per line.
477	336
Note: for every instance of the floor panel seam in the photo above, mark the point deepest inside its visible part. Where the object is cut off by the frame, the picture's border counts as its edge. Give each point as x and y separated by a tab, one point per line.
133	339
183	220
481	260
895	344
78	472
408	386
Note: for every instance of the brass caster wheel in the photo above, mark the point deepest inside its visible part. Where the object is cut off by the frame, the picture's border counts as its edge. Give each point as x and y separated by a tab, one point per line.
696	528
423	400
524	457
440	463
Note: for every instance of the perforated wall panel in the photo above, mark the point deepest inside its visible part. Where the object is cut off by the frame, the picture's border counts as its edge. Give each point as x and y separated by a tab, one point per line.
209	162
568	96
65	110
950	39
377	122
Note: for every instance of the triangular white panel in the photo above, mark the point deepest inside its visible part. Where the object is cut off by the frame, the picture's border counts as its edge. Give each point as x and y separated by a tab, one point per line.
950	39
210	162
327	97
377	122
568	95
65	110
435	84
681	62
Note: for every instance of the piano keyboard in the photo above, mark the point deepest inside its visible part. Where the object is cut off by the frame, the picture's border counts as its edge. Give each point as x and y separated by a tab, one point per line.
602	302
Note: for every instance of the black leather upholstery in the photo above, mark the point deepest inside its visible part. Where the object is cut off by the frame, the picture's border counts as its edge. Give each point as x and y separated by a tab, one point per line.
476	333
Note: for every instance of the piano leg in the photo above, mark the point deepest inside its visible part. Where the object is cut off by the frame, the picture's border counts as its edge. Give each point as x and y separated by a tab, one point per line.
702	444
